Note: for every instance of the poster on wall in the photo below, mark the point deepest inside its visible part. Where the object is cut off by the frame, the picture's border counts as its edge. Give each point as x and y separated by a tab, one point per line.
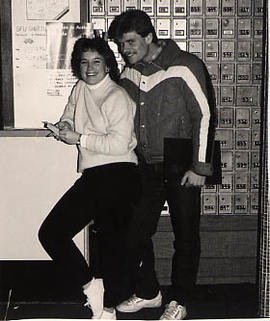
60	39
46	9
35	99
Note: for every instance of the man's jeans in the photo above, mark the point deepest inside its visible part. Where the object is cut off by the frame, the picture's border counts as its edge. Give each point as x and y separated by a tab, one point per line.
184	207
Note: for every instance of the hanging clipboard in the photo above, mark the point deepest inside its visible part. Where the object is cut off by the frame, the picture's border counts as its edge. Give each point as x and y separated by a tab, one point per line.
178	158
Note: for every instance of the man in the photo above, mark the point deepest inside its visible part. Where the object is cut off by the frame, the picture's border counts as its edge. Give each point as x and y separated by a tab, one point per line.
173	94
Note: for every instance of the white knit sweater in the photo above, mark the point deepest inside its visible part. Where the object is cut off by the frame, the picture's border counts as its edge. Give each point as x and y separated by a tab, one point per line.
104	115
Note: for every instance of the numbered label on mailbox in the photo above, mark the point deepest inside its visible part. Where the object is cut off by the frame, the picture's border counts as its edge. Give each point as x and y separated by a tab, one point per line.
244	28
212	7
179	28
243	117
226	117
241	182
179	7
163	7
211	51
147	6
211	28
227	96
228	28
97	8
130	4
227	183
113	7
244	7
241	204
228	7
242	139
247	96
243	50
163	28
195	7
195	28
258	7
227	51
241	161
225	204
196	47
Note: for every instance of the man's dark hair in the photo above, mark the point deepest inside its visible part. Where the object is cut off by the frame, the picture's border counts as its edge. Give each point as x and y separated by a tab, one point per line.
131	20
95	44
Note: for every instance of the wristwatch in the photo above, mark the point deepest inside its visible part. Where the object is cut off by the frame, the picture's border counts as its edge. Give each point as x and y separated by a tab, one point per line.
79	140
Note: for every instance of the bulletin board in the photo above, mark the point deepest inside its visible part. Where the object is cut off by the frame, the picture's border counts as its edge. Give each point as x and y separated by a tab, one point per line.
40	93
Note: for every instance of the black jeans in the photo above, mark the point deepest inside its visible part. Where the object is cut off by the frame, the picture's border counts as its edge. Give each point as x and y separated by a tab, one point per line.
184	205
105	194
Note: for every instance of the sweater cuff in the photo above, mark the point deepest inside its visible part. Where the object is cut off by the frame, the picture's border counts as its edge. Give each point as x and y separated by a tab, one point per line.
83	141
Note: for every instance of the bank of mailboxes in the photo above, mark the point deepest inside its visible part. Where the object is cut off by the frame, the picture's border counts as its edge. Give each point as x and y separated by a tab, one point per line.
170	8
227	36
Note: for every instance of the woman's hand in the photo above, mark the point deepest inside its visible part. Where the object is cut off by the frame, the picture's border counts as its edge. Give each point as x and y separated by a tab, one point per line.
63	125
68	136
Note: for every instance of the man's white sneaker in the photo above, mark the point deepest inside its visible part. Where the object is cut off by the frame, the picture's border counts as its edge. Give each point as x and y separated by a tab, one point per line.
107	315
174	311
94	293
134	303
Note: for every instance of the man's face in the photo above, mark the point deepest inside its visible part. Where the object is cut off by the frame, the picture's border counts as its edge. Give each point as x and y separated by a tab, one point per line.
134	47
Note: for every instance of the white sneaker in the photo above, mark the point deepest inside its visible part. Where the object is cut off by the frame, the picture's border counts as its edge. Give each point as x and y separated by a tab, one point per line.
106	315
134	304
94	293
174	311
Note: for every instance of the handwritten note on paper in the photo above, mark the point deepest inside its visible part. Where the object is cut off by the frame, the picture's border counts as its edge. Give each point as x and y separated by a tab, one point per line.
29	46
46	9
38	95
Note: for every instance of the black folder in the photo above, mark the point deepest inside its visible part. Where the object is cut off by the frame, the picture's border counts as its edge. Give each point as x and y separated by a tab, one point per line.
178	156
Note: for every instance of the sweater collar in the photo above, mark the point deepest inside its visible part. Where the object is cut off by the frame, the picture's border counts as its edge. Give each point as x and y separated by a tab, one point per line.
100	84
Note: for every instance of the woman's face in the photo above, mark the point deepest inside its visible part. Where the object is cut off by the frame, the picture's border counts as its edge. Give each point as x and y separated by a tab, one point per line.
93	67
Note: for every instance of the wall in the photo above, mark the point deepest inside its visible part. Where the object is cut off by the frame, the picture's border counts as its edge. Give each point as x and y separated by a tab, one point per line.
34	172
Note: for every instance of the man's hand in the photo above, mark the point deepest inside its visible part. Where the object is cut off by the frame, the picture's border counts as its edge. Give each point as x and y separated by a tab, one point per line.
192	179
69	136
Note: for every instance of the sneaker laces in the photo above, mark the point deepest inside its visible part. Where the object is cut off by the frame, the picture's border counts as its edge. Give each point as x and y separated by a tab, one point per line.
87	304
133	299
171	311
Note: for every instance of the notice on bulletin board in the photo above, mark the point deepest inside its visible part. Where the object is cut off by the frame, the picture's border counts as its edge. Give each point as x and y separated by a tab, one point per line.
60	41
46	9
34	98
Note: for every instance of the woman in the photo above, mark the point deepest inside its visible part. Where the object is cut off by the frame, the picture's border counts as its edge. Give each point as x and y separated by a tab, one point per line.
98	118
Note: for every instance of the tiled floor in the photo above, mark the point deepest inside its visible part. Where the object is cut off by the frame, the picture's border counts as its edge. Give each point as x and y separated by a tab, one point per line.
214	302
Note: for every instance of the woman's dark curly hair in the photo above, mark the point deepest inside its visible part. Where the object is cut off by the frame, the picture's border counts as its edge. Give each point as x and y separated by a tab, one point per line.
95	44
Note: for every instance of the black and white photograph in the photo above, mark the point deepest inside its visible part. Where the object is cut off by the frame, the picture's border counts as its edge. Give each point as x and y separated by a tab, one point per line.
134	160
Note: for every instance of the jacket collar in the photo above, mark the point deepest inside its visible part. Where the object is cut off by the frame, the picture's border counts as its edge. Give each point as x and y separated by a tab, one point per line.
163	57
168	54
